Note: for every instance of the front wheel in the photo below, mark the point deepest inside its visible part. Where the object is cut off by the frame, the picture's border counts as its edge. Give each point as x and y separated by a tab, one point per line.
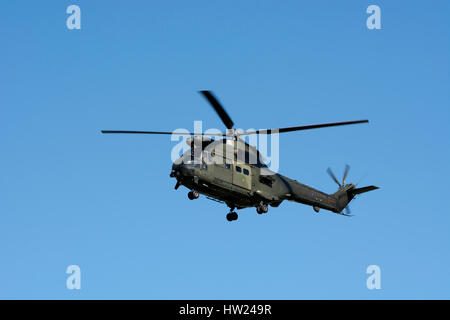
193	194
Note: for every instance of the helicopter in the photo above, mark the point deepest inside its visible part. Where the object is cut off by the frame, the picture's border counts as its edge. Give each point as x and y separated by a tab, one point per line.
231	171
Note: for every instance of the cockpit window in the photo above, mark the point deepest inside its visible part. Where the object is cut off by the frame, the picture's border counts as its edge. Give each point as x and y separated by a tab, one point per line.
188	160
238	169
246	172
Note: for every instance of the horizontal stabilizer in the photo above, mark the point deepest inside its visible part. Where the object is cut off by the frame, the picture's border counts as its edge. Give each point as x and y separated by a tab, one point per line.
364	189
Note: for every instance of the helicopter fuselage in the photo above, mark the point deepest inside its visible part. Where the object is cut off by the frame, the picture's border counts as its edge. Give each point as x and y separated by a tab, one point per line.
239	190
242	185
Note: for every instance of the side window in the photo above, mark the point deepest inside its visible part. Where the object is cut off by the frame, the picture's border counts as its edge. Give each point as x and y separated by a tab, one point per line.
246	172
266	180
238	169
227	166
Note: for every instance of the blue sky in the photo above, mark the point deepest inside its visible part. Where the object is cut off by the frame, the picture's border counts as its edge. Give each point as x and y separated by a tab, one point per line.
70	195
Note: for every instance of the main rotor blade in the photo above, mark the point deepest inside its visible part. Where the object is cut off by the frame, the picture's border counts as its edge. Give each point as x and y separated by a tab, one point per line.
313	126
164	132
219	109
347	168
330	172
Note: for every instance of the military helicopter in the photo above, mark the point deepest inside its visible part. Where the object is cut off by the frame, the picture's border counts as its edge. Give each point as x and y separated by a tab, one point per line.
230	171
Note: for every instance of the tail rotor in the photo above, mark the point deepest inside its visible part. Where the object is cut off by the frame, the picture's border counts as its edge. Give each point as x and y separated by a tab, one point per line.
347	192
342	188
340	184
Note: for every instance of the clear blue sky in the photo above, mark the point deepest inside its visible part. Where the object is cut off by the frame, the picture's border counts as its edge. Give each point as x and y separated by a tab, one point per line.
69	195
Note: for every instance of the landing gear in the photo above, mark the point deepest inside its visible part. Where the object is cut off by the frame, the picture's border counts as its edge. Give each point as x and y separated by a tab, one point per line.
262	208
193	194
232	216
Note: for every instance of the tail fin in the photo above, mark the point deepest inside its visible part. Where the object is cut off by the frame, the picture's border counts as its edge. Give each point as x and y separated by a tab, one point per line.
363	189
347	193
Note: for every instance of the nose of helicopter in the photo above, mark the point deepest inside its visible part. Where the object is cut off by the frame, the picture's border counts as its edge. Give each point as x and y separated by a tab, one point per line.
175	173
181	170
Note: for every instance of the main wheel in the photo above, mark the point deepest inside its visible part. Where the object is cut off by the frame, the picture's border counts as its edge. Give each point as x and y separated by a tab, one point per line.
262	208
265	208
232	216
193	194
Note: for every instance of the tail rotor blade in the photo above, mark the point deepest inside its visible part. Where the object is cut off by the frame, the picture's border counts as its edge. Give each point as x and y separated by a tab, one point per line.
348	211
330	172
347	168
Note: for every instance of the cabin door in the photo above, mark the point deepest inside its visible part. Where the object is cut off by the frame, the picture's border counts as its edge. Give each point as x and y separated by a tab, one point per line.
242	175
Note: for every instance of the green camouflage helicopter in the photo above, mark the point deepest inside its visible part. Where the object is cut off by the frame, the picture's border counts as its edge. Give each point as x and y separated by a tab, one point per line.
230	171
